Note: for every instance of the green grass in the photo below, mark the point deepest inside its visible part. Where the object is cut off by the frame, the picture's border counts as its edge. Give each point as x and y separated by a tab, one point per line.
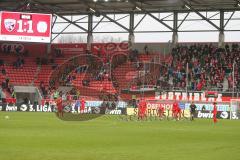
41	136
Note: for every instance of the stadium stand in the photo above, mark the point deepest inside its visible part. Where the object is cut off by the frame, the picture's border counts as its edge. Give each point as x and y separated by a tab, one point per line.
209	67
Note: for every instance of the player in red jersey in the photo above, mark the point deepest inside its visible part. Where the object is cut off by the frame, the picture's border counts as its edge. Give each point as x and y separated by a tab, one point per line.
144	103
142	109
82	105
176	111
59	107
161	112
215	112
179	112
139	111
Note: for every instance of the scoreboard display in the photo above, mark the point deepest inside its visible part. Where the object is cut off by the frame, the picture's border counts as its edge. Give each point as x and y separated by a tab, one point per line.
25	27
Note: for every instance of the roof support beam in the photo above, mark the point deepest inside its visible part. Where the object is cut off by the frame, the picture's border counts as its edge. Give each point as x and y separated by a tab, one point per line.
122	18
202	16
221	38
54	21
167	16
213	15
131	24
98	23
222	21
160	21
73	23
175	22
112	20
131	38
229	19
90	32
183	20
63	28
140	21
206	19
60	32
175	29
151	15
90	23
54	12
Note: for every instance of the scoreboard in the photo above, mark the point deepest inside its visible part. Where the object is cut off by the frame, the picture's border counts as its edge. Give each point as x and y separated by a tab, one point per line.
25	27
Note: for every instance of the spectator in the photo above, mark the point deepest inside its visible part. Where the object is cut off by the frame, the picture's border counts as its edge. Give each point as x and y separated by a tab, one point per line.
146	49
3	70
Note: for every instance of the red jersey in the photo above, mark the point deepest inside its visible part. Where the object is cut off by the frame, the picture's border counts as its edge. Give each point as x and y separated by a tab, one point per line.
59	104
160	109
82	104
214	109
215	113
143	105
175	107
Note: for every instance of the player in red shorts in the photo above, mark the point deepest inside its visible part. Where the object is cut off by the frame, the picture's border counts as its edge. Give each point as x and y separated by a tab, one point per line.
142	109
139	111
179	112
215	112
175	110
59	107
160	112
82	105
144	103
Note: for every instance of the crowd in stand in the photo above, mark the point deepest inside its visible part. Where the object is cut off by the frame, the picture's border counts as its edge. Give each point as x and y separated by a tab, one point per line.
7	49
19	62
206	66
7	86
197	67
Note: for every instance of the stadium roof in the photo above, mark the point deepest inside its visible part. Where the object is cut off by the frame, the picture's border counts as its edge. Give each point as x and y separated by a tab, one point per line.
66	7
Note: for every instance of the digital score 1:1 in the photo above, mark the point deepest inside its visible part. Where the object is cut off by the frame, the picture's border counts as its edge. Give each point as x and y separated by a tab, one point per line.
25	27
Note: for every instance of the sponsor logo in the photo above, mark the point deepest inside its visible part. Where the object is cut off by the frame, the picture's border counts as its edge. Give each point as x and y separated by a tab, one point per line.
45	108
220	114
11	108
67	109
205	115
224	115
209	107
155	112
191	96
110	46
234	115
9	24
124	45
13	47
115	111
23	107
96	110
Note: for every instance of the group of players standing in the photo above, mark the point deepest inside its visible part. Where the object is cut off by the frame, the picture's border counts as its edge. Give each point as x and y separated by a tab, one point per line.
80	105
142	110
176	111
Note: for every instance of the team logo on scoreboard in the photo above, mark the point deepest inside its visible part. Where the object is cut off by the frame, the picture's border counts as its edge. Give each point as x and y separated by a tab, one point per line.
42	27
9	24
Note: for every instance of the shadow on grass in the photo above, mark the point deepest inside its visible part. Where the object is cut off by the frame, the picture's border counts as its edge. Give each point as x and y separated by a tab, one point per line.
77	117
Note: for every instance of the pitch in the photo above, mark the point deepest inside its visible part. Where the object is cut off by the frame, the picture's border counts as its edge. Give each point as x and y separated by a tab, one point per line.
42	136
